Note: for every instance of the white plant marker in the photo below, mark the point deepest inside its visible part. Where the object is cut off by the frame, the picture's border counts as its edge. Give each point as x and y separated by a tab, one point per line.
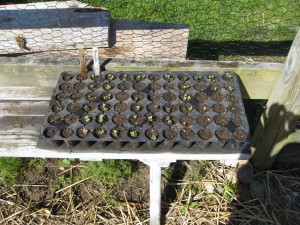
96	66
155	193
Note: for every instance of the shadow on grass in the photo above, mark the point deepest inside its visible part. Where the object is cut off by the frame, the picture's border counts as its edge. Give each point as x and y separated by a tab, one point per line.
212	50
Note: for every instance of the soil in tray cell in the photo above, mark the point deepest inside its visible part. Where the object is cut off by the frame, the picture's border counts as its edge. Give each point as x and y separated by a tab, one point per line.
201	97
154	87
57	108
73	107
119	119
168	77
234	109
110	77
184	86
152	134
186	108
80	78
183	77
122	96
154	97
169	96
228	77
125	77
187	133
204	120
140	77
70	118
124	86
203	108
97	79
139	86
75	96
138	96
237	121
68	77
137	119
66	132
54	119
93	86
87	107
61	97
170	133
219	108
120	107
240	134
205	134
108	86
221	120
217	97
50	132
222	134
187	120
200	87
91	96
231	98
153	107
86	119
65	87
214	87
169	87
79	86
100	132
107	96
199	78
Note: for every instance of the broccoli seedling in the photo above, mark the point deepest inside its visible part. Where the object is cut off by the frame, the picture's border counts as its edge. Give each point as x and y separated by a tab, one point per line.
214	88
184	86
101	131
107	87
211	78
107	96
168	120
196	77
186	97
101	119
110	77
104	107
87	119
230	88
137	108
153	137
84	130
133	134
150	119
115	133
140	77
190	108
228	75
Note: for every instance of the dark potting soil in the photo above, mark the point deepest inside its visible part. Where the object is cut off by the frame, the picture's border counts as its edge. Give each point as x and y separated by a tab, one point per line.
154	97
184	77
205	134
75	96
231	98
122	96
54	119
136	107
83	132
169	108
170	133
234	109
66	132
154	86
219	108
57	108
70	118
138	96
139	86
200	87
61	97
201	97
50	132
169	87
119	119
73	107
186	108
187	120
91	96
137	119
124	86
120	107
68	77
152	134
204	120
217	97
237	121
221	120
202	108
184	86
240	134
153	107
154	77
65	87
222	134
187	133
79	86
169	96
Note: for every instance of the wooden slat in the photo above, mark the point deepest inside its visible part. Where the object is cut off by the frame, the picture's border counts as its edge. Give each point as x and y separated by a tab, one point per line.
23	108
16	125
257	79
283	109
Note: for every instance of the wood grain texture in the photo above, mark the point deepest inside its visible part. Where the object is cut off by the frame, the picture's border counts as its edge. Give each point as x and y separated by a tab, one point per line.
282	111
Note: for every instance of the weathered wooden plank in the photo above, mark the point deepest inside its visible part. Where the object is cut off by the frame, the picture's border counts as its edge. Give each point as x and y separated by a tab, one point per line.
23	108
257	79
283	109
16	125
47	26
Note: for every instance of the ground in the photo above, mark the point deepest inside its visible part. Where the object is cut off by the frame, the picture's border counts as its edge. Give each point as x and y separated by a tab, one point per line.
194	192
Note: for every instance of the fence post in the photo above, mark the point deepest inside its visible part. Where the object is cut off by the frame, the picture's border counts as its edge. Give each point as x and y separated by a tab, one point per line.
281	113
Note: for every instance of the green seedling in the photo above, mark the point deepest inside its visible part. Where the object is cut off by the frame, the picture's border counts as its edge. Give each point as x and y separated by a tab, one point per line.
134	134
92	87
153	137
168	120
124	77
104	107
230	88
168	77
150	119
86	108
110	77
92	76
107	87
190	108
101	131
214	88
101	119
184	86
107	96
85	130
186	97
138	108
211	78
140	77
115	133
87	119
196	77
228	75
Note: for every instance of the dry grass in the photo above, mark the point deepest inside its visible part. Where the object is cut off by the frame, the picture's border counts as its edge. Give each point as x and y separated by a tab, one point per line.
207	200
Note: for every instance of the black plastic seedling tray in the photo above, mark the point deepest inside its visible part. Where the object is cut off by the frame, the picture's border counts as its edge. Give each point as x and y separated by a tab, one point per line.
147	110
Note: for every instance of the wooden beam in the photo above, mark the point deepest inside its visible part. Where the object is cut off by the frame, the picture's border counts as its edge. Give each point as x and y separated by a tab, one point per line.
37	78
282	111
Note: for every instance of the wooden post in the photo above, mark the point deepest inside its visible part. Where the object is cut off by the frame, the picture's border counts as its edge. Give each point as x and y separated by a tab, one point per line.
83	70
282	111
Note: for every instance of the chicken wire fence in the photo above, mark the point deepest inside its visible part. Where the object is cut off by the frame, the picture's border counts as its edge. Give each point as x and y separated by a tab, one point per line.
216	30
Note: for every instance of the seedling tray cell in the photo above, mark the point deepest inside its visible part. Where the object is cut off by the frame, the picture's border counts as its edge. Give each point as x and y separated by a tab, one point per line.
146	110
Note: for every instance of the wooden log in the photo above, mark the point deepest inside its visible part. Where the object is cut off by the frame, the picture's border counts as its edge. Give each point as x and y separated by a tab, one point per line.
47	26
282	111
